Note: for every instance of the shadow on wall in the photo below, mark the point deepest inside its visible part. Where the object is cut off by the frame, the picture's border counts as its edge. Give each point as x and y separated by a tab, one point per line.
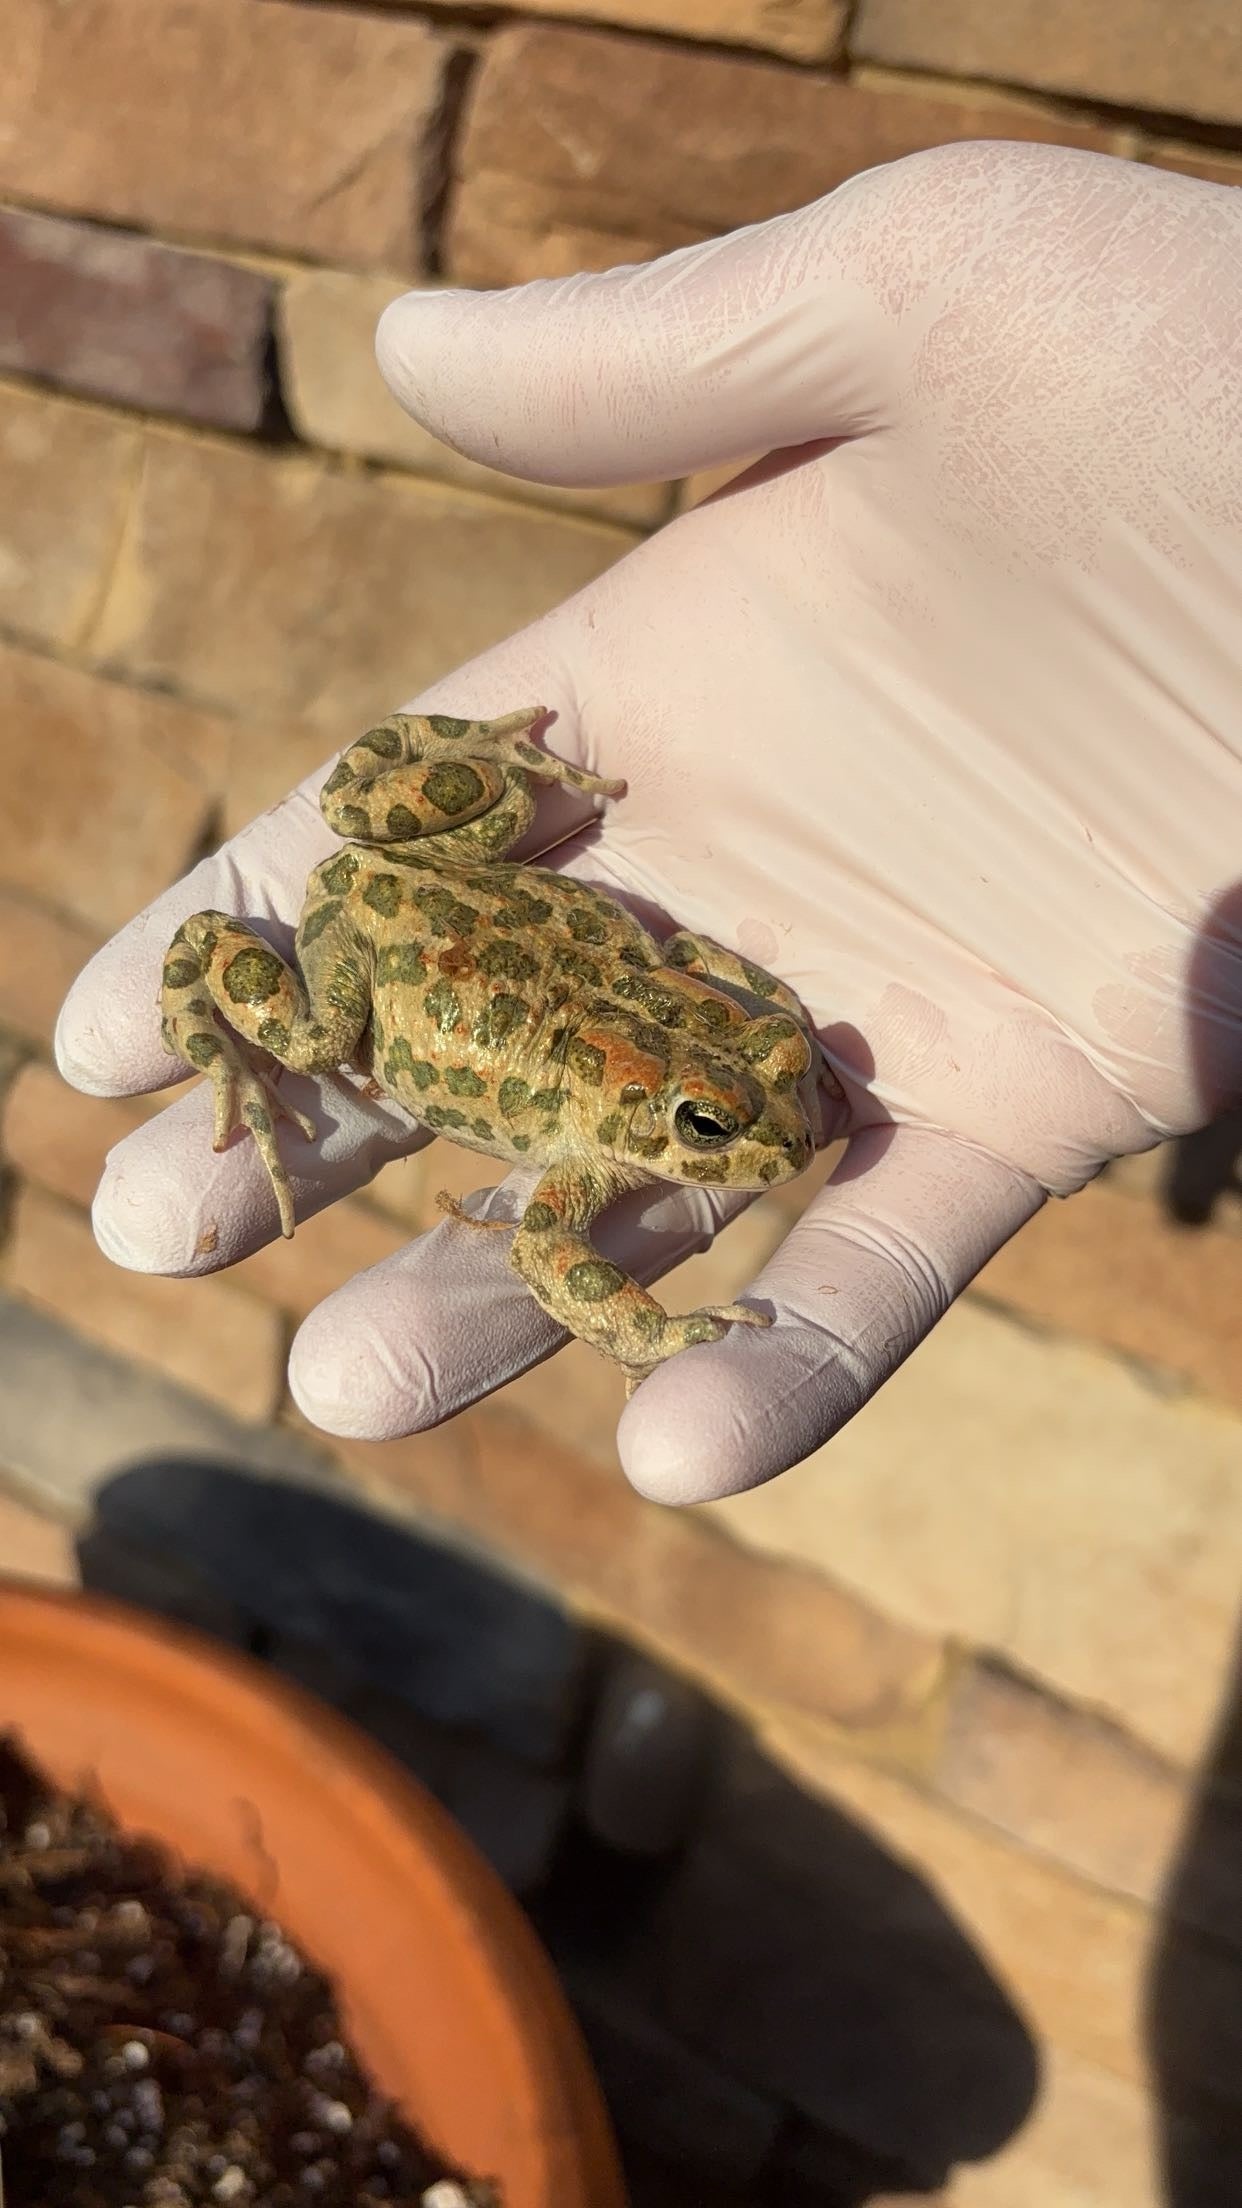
1194	1990
782	2015
1201	1169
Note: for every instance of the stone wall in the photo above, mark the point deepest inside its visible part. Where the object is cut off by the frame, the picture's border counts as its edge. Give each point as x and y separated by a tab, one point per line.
993	1626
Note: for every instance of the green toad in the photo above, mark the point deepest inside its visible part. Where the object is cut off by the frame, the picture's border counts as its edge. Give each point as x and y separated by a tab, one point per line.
511	1009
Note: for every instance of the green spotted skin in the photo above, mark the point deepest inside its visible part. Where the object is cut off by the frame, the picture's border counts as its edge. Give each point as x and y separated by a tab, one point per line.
510	1009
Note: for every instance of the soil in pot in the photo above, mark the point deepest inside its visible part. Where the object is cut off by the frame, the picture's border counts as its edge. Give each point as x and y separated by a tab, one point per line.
161	2046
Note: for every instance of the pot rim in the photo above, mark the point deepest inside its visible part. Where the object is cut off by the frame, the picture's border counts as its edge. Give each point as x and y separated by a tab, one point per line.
528	2017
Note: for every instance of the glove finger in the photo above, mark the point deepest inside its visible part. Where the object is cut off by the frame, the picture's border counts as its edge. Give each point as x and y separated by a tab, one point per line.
168	1203
901	1227
744	344
445	1321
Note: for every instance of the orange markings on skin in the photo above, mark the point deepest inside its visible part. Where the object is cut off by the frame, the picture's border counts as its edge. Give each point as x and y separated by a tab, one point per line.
624	1061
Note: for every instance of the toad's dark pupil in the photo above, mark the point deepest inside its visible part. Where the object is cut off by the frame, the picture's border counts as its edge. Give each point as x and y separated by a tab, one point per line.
704	1126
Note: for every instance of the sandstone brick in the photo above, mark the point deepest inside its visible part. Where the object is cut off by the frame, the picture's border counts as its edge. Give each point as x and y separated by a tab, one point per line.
1134	53
14	1055
1062	1781
1079	1966
1072	1956
1121	1273
204	1334
1090	2142
1034	1497
197	143
262	760
441	1165
126	318
57	1137
41	953
406	1189
73	1415
326	1252
807	30
336	397
34	1546
814	2163
401	1191
1212	167
281	586
758	1634
508	229
596	176
66	479
658	2183
1142	1175
103	815
1195	1180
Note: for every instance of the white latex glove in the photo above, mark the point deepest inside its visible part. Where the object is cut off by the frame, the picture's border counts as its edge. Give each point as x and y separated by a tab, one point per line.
940	717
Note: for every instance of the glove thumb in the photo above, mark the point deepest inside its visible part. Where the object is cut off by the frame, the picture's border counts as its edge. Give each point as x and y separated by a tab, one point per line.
715	353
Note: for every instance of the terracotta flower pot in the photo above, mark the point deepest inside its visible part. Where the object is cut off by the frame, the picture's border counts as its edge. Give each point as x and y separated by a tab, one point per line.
446	1993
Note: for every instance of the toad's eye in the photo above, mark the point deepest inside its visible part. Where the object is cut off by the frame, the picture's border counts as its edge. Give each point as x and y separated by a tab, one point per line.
704	1126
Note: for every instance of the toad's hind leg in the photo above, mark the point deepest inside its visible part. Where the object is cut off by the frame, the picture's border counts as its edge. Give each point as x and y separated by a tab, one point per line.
467	783
217	970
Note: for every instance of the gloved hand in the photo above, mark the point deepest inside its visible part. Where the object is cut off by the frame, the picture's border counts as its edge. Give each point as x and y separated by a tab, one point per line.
938	714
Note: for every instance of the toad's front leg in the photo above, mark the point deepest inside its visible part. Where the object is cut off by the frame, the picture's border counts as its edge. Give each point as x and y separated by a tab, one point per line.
592	1297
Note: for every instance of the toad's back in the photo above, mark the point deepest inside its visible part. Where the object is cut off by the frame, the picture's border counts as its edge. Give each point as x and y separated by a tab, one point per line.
498	998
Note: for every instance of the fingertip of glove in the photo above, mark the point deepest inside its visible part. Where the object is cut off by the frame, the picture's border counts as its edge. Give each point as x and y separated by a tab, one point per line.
168	1203
140	1220
682	1444
342	1377
403	335
725	1417
79	1045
